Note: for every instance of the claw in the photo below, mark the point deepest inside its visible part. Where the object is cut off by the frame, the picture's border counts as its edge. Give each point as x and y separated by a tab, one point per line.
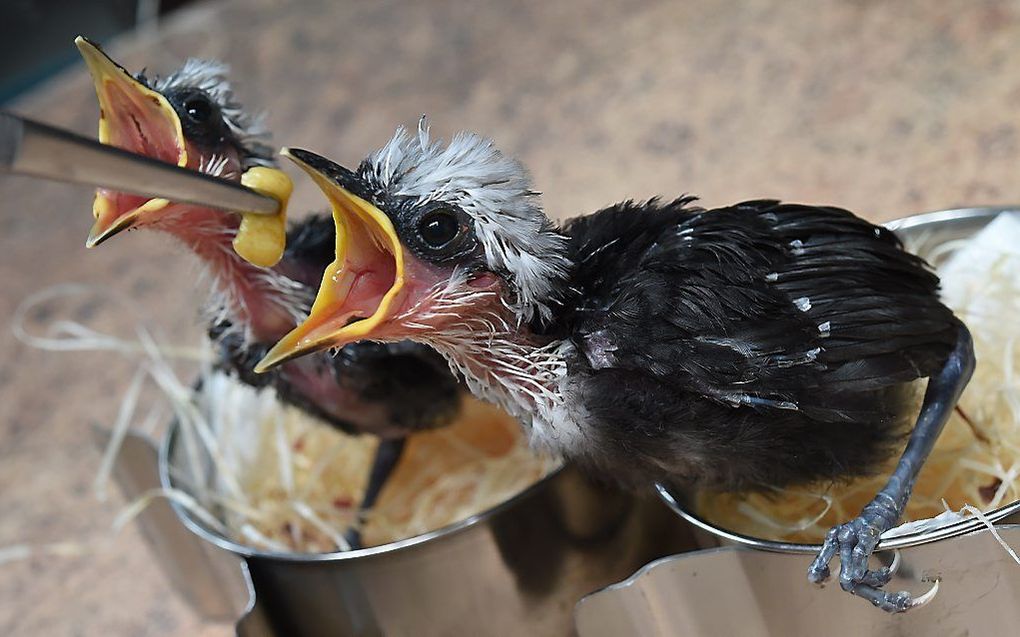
927	597
877	578
819	576
855	542
857	539
880	577
895	602
819	571
895	566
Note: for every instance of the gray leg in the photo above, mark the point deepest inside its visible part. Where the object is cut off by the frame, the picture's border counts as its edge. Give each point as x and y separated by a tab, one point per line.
386	458
856	540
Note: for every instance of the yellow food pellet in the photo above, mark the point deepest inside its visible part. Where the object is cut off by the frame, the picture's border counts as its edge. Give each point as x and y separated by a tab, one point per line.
261	239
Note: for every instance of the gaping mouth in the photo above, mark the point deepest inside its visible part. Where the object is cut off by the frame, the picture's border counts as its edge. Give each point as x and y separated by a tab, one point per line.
364	287
133	117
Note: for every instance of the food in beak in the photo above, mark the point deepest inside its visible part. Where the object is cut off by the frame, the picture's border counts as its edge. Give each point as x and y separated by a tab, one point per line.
261	239
362	289
133	117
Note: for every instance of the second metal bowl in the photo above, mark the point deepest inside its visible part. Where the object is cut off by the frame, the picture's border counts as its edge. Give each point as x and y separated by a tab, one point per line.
937	227
516	569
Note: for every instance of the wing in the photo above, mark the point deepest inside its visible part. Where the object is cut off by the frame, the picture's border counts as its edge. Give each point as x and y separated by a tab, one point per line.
769	305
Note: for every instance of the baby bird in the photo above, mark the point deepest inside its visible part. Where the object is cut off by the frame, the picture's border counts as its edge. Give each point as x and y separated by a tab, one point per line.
757	346
191	118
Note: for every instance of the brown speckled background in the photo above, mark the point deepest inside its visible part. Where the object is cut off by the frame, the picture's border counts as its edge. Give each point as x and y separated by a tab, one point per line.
884	108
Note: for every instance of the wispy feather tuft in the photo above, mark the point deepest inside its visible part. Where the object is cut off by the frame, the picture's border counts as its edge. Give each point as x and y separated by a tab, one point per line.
210	77
496	190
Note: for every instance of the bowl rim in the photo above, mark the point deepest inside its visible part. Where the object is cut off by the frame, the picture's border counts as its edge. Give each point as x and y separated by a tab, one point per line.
948	215
399	546
916	538
679	504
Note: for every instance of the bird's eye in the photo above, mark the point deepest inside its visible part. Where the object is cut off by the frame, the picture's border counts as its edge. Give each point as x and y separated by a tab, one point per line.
198	108
438	228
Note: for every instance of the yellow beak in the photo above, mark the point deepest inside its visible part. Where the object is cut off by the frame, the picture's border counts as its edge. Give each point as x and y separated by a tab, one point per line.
134	117
360	288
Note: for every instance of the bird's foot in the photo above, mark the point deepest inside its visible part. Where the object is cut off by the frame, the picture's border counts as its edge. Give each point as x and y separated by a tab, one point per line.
353	537
854	542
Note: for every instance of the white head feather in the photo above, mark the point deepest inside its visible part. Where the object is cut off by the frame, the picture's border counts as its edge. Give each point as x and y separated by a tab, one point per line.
496	191
210	77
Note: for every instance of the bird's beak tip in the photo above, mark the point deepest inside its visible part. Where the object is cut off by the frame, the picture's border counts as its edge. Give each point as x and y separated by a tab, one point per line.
97	61
84	43
265	365
97	237
303	158
98	234
292	154
349	306
288	348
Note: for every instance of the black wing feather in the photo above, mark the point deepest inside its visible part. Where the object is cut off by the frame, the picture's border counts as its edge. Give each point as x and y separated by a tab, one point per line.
791	329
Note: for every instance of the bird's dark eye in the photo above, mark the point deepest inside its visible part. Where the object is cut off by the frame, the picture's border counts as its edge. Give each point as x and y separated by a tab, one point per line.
198	108
201	119
438	228
438	232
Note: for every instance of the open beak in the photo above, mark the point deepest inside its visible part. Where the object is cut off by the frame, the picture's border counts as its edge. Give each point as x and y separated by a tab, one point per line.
133	117
365	288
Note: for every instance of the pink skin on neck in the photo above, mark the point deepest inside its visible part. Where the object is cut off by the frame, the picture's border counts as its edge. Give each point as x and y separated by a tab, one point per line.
208	233
444	331
253	303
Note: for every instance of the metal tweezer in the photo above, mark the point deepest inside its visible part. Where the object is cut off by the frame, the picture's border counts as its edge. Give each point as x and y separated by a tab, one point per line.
31	148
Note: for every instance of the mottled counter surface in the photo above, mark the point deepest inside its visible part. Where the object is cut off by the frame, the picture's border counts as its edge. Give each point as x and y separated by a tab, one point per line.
883	108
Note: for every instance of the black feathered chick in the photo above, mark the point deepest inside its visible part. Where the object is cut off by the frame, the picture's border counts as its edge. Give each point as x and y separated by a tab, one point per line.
758	346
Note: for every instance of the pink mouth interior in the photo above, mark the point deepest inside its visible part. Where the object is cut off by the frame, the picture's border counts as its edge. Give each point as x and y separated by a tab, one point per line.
366	270
365	285
140	124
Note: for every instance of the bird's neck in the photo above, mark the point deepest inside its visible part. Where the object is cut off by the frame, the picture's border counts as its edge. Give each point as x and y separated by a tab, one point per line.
263	302
522	372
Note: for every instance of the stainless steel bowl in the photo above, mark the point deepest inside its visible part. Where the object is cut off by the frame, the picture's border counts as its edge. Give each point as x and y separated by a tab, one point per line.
740	591
516	569
734	590
937	227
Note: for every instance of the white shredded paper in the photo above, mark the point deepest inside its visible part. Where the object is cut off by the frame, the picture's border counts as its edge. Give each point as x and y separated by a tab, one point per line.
266	474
